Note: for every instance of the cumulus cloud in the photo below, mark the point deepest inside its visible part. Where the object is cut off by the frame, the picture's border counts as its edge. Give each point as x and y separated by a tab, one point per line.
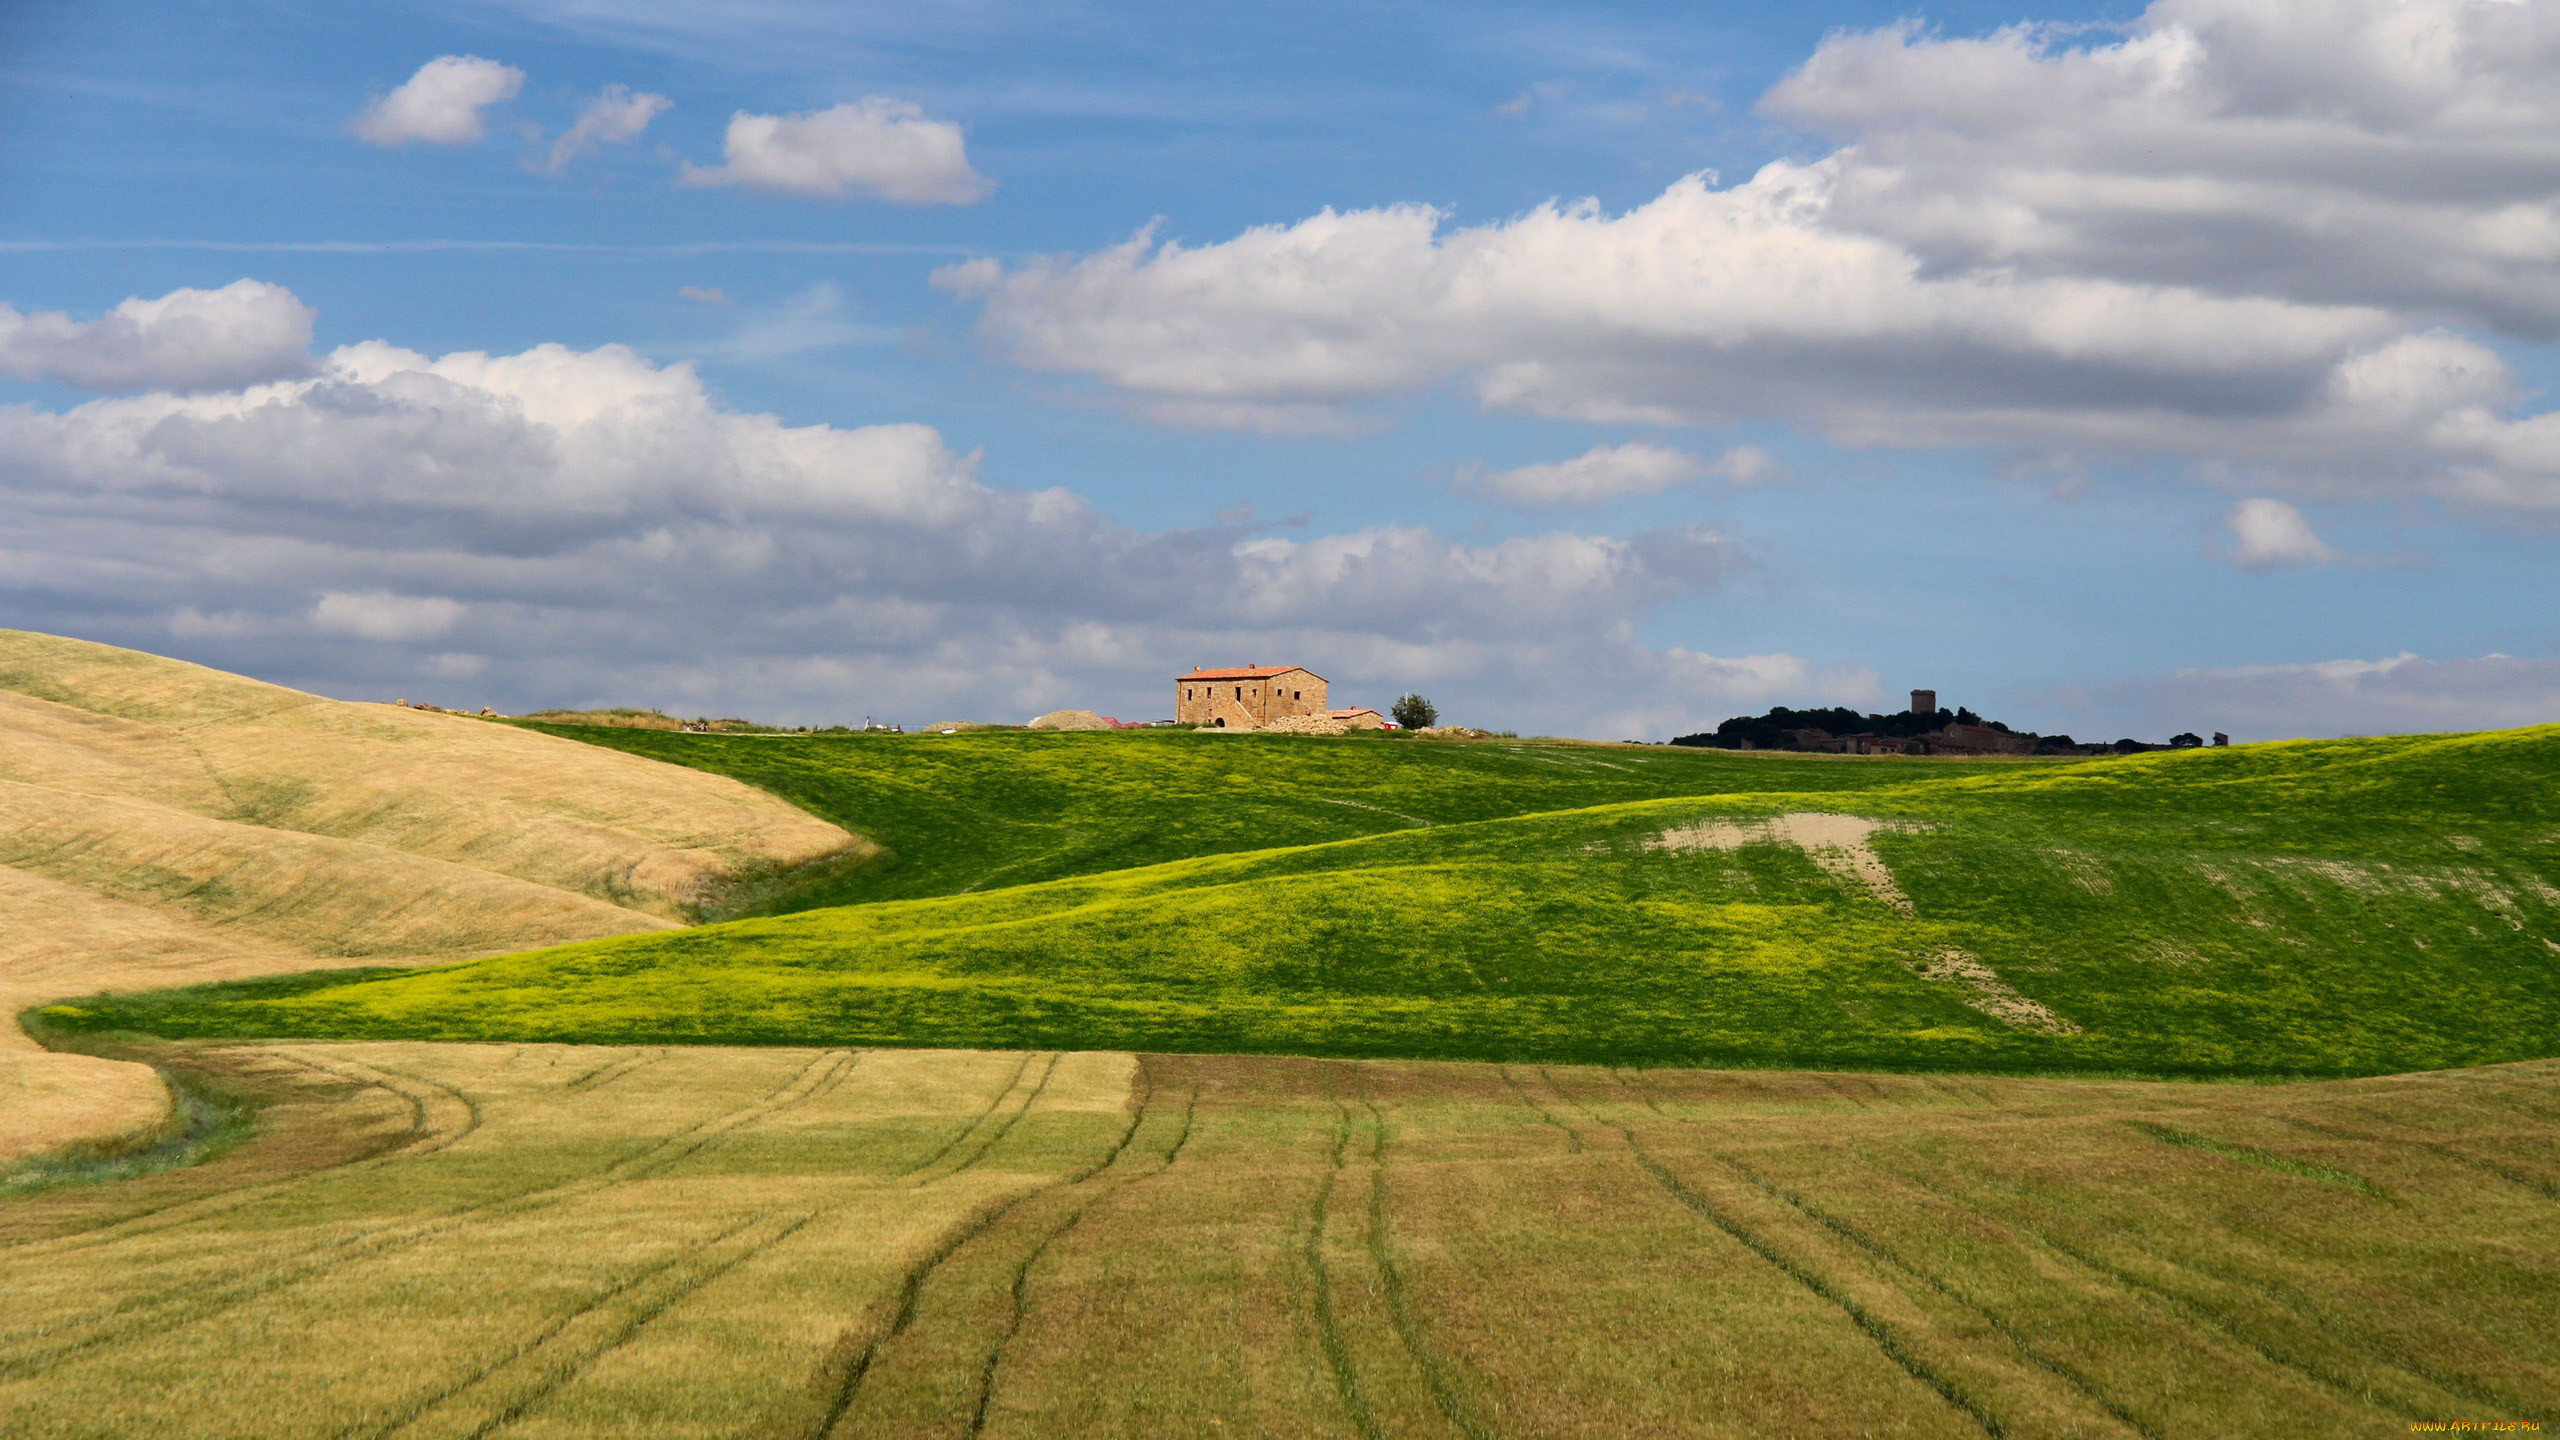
876	146
567	526
2396	152
381	615
2242	234
1599	473
2267	534
1605	472
1701	305
440	104
2403	694
615	117
243	333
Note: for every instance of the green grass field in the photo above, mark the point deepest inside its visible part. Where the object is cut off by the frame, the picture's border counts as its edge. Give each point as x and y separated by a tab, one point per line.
993	809
573	1243
2313	908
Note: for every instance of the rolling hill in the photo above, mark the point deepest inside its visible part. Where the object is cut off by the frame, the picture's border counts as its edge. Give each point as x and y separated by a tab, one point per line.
162	823
995	809
2312	908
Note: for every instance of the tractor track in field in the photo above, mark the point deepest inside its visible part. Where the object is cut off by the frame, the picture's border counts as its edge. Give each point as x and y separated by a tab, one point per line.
2185	1309
1402	1316
2527	1183
2291	1297
1400	1308
1869	1245
191	1304
1337	1354
1572	1137
1020	1288
1883	1336
841	1377
688	1271
980	1122
613	1070
420	1138
1875	1248
553	1372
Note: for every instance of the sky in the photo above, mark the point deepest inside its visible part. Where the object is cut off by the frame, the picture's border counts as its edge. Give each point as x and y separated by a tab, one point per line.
1601	370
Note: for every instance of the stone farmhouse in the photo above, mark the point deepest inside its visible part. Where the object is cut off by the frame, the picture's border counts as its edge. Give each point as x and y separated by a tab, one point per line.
1247	697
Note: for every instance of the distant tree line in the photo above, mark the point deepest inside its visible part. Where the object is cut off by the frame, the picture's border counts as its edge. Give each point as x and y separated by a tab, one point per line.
1776	731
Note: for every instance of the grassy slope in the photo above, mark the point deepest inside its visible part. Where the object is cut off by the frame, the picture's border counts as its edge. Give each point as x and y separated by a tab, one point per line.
992	809
2316	908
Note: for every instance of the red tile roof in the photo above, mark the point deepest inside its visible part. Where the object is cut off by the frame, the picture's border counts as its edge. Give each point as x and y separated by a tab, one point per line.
1245	672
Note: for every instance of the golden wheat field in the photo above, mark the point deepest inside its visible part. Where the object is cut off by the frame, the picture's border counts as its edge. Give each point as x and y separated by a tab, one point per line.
556	1241
166	824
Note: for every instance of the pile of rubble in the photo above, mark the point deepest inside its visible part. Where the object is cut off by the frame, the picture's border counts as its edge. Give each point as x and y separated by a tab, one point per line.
1307	725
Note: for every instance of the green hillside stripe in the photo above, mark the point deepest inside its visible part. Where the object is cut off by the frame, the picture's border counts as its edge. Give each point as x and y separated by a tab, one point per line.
2321	908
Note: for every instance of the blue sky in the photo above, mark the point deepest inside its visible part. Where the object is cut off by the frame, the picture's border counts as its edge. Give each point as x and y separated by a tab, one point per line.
2012	456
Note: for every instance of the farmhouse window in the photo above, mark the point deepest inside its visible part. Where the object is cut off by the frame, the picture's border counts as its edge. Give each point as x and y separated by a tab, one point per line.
1239	692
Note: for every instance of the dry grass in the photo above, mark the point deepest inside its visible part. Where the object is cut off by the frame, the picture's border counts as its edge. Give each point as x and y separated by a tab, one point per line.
581	1242
162	823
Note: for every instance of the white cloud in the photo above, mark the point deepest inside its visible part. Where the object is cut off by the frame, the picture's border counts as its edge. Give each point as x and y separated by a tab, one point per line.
2393	152
876	146
243	333
814	320
594	527
2235	233
615	117
2403	694
1748	465
1600	473
2270	533
1701	305
440	104
381	615
190	623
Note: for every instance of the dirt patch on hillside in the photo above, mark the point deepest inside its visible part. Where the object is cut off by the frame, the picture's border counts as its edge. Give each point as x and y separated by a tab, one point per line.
1841	845
1837	843
1990	994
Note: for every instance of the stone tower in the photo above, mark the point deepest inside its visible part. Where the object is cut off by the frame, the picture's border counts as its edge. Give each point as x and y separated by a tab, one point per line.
1924	702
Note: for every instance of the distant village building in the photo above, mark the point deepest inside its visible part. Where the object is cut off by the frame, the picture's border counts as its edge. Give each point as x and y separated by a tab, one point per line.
1247	697
1963	739
1360	719
1863	744
1958	738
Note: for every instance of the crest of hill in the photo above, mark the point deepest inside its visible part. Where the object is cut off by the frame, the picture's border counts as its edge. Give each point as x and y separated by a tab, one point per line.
162	822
